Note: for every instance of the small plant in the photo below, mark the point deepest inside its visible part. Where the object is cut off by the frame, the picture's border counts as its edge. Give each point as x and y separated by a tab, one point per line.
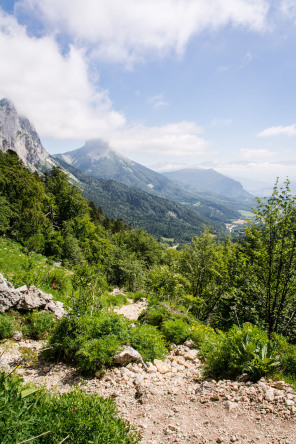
149	342
264	360
28	356
7	327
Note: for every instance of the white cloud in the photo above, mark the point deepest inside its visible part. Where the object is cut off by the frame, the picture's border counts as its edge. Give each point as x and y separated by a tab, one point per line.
288	9
178	139
52	90
131	30
157	101
254	154
279	131
261	170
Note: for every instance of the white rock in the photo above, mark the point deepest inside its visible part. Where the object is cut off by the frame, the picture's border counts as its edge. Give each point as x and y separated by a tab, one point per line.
161	366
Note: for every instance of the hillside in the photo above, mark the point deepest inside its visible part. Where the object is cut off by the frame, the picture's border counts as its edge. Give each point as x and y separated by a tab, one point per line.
158	216
209	180
96	158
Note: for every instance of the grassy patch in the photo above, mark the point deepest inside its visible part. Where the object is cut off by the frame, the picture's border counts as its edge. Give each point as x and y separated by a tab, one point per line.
21	267
26	412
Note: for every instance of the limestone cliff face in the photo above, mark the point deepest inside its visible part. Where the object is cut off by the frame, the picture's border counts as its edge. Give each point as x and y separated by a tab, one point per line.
19	135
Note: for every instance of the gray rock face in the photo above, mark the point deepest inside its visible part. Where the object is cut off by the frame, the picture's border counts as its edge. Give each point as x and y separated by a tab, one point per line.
19	135
24	298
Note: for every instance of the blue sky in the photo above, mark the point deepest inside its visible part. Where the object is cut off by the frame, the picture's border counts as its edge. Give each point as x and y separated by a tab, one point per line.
168	83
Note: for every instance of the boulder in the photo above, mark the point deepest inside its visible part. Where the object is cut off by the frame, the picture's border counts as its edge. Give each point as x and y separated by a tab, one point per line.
127	355
24	298
9	297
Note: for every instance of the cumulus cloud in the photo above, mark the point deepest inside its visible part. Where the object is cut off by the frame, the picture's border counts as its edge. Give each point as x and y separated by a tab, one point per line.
129	31
178	139
53	90
279	131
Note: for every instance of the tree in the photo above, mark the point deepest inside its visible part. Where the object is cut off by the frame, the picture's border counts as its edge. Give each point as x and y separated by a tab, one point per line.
208	266
270	251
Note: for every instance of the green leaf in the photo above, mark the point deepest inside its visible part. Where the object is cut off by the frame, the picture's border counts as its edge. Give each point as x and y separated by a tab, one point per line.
29	391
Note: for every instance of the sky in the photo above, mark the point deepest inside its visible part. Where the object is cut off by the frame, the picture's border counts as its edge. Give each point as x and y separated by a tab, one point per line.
167	83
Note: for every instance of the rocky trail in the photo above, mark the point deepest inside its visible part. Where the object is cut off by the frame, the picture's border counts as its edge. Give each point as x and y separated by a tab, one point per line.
170	402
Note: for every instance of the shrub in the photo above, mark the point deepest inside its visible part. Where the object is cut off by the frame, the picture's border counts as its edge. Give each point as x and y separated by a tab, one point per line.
287	354
108	300
26	412
154	315
176	330
149	342
241	349
138	295
38	324
7	327
89	342
204	336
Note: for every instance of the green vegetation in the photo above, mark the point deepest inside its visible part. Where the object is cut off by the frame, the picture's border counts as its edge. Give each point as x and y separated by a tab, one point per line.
246	214
27	412
235	300
157	215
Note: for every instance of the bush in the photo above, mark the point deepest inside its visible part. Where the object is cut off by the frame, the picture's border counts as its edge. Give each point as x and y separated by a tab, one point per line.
26	412
149	342
138	295
38	324
154	315
204	337
176	330
161	312
239	350
89	342
7	327
286	353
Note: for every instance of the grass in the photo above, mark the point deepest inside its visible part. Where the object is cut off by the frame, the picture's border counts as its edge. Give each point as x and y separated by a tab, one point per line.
20	267
27	412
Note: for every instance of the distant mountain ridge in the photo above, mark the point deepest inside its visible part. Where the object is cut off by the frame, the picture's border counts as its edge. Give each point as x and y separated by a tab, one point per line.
160	217
97	159
202	179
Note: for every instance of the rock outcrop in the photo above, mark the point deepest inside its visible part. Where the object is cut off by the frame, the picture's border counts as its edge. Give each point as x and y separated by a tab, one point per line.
19	135
24	298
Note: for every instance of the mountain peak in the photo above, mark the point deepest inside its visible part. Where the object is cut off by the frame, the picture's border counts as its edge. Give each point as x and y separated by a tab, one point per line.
19	135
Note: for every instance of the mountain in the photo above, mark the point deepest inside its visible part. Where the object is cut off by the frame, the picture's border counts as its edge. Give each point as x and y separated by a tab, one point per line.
19	135
160	217
204	180
97	159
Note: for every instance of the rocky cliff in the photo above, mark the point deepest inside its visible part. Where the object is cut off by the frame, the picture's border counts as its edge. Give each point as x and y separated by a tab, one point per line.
19	135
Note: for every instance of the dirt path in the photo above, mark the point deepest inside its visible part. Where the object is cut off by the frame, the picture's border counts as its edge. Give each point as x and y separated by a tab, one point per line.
171	403
133	310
